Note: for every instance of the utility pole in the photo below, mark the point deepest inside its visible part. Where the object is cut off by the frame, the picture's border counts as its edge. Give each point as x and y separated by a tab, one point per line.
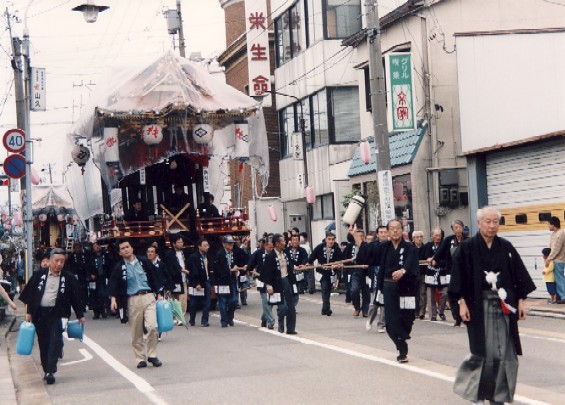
21	66
378	107
181	32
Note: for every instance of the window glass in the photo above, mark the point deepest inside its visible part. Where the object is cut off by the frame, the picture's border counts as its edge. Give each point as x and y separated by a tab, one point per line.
286	120
328	206
279	41
307	122
315	22
320	118
345	114
343	18
297	28
317	209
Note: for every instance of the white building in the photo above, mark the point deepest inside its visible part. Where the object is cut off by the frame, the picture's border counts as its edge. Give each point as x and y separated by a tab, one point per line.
487	81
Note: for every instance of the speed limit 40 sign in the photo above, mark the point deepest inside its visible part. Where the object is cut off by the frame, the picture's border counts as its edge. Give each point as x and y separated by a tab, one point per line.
14	140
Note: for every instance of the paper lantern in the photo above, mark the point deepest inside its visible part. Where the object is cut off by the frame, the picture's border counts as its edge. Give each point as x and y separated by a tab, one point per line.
365	151
80	155
43	217
61	217
152	134
273	213
310	195
34	177
18	221
112	152
202	133
241	132
354	208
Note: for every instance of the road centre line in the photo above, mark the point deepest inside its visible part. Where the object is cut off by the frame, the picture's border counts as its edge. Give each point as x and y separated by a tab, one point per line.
139	383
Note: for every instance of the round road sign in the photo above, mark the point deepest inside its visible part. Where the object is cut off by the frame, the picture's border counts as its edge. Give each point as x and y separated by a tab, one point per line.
15	166
14	140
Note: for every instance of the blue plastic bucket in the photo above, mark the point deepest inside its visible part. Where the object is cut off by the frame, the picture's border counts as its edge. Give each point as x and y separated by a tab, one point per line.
75	330
26	336
164	316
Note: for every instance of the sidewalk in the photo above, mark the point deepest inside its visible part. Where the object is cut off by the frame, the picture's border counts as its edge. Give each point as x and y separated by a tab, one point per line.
7	387
535	307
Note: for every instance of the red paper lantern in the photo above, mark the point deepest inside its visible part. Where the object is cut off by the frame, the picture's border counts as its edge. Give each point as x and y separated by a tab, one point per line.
365	151
310	195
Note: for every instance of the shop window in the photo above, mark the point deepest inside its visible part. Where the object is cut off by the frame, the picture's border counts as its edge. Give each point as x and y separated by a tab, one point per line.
521	218
343	18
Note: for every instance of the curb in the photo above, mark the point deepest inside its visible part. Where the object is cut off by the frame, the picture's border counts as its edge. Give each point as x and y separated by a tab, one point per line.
7	387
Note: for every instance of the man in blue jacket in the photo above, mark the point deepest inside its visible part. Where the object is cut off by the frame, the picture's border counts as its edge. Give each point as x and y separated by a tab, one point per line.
137	279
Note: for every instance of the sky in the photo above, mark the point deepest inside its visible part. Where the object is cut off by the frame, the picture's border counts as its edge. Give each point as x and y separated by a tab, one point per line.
76	55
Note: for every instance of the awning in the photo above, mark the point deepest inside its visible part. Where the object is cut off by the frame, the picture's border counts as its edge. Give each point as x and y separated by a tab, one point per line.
403	148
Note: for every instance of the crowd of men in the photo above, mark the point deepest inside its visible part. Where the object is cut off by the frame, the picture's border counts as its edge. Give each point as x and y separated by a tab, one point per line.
386	276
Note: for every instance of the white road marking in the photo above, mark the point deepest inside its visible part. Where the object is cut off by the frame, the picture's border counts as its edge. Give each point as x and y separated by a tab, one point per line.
549	339
140	384
404	366
87	356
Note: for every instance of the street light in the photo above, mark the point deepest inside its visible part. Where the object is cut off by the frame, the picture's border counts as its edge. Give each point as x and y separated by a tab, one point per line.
90	11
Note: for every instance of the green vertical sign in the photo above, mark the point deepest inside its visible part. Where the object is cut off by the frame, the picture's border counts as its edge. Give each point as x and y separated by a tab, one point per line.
401	89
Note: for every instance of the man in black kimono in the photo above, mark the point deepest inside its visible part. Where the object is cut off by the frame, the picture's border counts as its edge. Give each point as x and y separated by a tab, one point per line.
224	278
278	276
398	283
49	295
298	255
326	253
199	283
490	283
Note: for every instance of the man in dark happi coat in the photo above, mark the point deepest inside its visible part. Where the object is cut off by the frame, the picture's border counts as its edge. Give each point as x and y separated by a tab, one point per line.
298	256
278	276
255	266
49	295
326	252
398	283
360	251
491	283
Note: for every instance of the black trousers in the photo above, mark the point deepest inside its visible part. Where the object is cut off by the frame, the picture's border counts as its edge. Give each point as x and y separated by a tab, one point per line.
49	329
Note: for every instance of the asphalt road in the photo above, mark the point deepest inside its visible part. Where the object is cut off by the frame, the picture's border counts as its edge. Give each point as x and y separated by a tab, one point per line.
332	360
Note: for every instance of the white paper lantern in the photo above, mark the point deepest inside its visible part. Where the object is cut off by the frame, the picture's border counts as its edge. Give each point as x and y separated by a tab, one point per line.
202	133
112	152
60	217
241	132
43	217
152	134
80	155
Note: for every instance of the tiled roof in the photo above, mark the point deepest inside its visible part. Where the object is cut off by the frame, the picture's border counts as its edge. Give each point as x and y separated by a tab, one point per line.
403	149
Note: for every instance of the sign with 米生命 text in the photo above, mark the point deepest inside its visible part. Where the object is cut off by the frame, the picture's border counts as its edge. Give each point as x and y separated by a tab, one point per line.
259	67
